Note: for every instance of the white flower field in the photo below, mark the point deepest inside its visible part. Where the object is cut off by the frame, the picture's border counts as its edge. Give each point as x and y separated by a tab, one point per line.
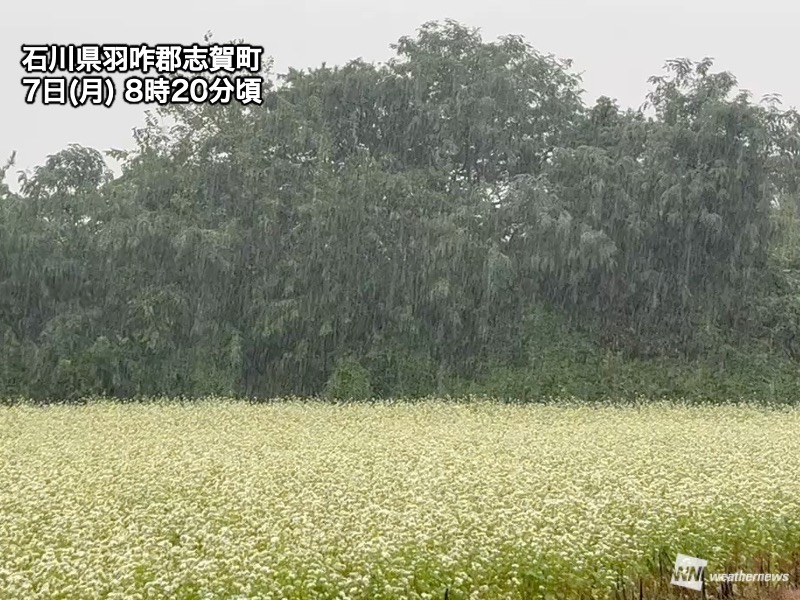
435	499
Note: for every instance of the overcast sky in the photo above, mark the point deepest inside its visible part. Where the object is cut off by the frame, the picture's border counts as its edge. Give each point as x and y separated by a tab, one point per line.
616	45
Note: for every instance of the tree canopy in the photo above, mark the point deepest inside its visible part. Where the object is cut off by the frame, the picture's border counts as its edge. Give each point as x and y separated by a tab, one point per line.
457	219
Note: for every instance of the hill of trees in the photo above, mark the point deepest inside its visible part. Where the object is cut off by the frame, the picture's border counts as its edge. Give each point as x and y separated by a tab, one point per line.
456	220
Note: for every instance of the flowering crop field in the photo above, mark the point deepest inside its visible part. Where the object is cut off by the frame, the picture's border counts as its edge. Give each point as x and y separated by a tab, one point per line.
435	499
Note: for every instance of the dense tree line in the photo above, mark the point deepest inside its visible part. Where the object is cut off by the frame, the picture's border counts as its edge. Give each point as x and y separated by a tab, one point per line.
454	220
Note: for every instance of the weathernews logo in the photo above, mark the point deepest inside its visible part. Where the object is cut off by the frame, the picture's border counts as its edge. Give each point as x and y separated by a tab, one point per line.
689	573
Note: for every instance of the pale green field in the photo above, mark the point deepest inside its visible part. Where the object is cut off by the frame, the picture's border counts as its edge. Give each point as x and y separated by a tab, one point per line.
294	500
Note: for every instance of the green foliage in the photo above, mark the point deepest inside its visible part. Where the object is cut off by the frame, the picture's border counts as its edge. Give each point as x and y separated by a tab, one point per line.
456	219
398	372
349	381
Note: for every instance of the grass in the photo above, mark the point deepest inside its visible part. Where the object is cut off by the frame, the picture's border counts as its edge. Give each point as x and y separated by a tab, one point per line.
292	499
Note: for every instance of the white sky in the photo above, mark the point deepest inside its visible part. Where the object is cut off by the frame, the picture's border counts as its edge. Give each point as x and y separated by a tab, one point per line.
617	45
